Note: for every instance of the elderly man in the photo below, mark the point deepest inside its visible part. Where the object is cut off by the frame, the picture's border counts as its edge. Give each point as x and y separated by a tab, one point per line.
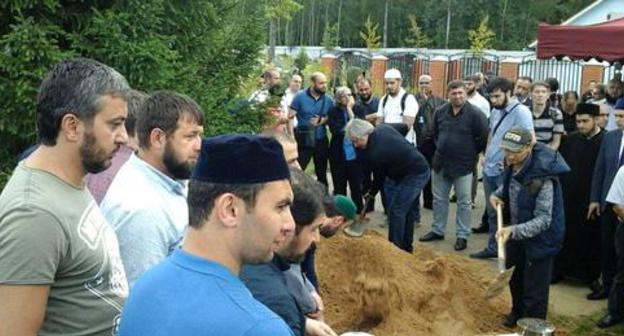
60	271
239	213
406	173
522	90
398	108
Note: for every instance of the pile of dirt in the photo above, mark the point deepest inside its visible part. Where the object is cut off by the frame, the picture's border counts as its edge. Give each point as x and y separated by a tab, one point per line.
370	285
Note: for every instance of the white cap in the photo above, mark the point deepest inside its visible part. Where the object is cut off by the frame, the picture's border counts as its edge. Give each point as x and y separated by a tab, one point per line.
392	74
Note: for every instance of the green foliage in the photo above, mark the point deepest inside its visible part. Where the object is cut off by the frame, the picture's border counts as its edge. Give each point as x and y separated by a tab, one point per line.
330	37
370	36
204	49
416	37
302	60
481	38
283	9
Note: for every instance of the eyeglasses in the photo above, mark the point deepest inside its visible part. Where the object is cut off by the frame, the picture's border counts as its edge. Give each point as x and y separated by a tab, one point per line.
423	83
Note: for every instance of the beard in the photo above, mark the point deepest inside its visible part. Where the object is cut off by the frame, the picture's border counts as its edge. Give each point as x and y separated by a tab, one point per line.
470	92
365	97
177	169
501	106
93	158
318	91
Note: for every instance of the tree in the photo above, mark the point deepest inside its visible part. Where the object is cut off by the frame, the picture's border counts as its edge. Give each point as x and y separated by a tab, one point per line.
417	38
370	36
481	38
278	9
330	37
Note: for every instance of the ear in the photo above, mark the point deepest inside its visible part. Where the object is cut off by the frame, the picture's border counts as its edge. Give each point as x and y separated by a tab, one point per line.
71	128
157	138
228	210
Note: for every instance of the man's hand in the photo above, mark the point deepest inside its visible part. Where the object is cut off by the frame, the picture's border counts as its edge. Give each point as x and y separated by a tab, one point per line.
495	201
318	328
503	234
314	121
593	211
320	308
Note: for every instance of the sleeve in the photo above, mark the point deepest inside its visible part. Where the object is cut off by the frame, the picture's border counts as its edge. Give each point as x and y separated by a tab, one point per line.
481	131
599	169
334	121
558	126
295	104
411	106
526	119
380	109
498	192
32	247
272	327
542	215
616	192
145	238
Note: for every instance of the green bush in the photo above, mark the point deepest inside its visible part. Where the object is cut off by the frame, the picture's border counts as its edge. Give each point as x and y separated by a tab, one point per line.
204	49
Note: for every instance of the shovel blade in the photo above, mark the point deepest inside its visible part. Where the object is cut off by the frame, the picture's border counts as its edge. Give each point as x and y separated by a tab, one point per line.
356	229
499	283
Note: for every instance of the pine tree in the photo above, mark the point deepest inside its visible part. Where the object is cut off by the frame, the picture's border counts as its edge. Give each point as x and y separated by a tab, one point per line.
417	38
370	36
330	37
481	38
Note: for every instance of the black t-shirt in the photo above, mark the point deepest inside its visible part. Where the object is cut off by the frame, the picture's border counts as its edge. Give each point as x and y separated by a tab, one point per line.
362	109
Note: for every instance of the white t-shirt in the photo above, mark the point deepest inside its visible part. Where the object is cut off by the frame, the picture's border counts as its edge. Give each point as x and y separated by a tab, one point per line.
286	100
392	112
481	103
616	192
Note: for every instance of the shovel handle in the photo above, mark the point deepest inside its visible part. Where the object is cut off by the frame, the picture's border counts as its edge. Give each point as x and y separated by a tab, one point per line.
499	225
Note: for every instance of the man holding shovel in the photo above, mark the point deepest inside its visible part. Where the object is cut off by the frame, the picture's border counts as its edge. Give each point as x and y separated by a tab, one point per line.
533	220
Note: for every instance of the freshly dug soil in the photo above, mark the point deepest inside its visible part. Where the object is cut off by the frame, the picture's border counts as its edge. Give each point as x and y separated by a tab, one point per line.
369	285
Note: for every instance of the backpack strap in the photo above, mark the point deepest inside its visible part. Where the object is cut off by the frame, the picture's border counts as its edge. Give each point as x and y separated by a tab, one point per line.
403	99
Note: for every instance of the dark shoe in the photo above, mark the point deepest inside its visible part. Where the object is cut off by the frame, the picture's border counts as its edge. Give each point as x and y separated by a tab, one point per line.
599	295
430	237
453	199
460	244
595	286
481	229
556	278
510	320
608	321
428	206
370	207
483	254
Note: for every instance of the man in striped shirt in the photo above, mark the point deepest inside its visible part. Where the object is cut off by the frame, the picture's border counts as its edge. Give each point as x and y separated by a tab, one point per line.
547	119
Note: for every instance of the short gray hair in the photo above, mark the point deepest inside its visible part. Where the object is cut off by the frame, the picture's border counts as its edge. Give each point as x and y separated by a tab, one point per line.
342	91
359	129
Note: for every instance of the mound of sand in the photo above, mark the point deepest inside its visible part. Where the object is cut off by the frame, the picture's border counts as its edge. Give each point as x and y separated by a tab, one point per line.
370	285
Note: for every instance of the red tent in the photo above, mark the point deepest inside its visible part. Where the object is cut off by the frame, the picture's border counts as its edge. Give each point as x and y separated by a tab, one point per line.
603	41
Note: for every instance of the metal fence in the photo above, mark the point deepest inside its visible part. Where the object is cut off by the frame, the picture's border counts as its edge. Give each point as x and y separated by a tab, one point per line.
349	65
566	71
404	62
465	64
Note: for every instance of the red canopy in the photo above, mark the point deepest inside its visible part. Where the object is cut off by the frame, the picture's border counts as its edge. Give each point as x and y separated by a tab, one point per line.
603	41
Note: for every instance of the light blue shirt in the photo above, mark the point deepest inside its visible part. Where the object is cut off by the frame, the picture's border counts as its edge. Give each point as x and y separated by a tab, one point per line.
186	295
148	211
514	114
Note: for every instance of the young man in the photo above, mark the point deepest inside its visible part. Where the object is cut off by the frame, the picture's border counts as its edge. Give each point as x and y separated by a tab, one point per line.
150	228
474	97
239	213
460	134
398	108
268	282
547	119
60	271
533	220
406	172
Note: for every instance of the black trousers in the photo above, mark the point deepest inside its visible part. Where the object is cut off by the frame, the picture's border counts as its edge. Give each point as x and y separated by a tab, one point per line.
616	295
530	282
427	191
350	172
608	225
320	154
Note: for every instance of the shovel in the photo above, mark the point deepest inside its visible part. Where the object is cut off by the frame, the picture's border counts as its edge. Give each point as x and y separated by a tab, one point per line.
504	275
357	228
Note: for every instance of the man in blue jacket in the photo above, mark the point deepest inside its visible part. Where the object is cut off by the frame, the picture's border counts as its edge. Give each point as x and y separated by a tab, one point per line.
534	220
609	160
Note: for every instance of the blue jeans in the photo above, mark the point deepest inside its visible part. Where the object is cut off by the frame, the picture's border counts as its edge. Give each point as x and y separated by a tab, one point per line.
490	185
402	197
441	190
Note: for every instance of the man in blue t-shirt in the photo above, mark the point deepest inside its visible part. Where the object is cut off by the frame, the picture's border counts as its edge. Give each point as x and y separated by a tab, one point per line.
310	107
238	214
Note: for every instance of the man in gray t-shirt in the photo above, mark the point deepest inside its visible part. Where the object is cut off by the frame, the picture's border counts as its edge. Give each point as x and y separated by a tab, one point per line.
60	270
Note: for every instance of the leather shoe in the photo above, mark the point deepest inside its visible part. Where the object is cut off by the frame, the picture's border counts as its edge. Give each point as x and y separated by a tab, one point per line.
483	254
608	321
480	229
461	244
599	295
510	320
430	237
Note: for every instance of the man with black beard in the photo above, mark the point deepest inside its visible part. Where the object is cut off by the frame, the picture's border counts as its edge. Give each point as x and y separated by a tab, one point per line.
146	203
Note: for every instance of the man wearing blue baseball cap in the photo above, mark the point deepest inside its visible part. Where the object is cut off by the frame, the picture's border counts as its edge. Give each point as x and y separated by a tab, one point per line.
239	213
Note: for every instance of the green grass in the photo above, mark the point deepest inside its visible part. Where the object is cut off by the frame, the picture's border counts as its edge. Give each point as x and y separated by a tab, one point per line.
585	326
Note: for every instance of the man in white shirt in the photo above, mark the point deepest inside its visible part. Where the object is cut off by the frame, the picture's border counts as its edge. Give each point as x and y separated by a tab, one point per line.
293	88
474	97
397	106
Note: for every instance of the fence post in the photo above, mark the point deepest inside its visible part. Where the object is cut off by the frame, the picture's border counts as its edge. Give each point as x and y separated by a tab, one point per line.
591	72
377	71
438	71
329	63
509	68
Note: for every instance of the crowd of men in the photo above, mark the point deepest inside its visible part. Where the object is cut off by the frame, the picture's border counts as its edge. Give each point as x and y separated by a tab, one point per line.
123	219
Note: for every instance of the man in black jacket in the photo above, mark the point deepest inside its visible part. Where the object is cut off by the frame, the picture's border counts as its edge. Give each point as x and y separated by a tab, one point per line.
460	133
406	172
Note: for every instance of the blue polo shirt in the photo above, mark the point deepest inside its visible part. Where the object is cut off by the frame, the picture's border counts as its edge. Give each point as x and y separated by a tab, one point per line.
189	295
307	107
514	114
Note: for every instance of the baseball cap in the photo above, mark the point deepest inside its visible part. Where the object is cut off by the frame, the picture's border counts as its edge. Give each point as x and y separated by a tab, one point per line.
516	138
392	74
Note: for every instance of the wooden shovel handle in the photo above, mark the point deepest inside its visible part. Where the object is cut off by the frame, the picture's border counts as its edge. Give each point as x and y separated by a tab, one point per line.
499	225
